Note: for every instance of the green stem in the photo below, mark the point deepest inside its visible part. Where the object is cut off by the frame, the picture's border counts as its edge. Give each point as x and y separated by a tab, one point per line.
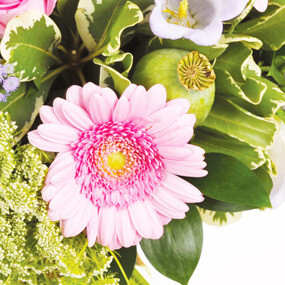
241	16
81	76
120	265
92	55
55	72
63	49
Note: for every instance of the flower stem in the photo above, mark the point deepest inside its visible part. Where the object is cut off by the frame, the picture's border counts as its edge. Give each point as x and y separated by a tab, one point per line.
120	265
241	16
55	72
92	55
81	76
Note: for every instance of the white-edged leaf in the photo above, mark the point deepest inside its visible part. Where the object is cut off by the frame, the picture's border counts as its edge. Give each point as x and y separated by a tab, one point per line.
28	44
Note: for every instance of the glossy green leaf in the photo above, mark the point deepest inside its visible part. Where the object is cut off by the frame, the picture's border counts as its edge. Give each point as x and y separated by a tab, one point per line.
137	279
251	91
264	178
211	52
229	180
126	59
120	81
277	69
235	121
219	206
248	41
101	23
67	9
234	60
272	100
269	27
23	105
20	40
222	143
127	257
177	253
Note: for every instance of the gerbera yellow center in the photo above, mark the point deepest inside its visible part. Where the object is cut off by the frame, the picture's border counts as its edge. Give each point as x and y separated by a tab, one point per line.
179	17
116	161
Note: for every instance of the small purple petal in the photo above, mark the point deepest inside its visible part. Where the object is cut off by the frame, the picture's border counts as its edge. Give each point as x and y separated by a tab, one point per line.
8	68
3	74
11	84
3	97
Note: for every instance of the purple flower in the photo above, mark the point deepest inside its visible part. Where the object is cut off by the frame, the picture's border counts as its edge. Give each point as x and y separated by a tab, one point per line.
3	97
8	68
11	84
3	73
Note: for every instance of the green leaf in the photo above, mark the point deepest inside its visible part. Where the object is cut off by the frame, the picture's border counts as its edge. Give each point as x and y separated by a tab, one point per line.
137	279
222	143
120	82
177	253
23	105
234	60
229	180
101	23
211	52
29	42
248	41
125	58
127	258
264	178
229	118
67	9
272	100
269	27
277	69
219	206
226	86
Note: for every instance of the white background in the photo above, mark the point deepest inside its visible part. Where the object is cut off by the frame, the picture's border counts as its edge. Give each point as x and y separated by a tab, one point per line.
248	252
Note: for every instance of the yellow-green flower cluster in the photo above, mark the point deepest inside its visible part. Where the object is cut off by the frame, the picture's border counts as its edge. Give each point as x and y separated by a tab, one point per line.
32	250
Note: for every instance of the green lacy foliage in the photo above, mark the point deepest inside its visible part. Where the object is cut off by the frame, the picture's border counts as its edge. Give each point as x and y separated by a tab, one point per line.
32	249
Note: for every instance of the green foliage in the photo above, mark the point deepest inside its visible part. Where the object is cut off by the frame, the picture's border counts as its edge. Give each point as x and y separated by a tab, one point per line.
231	181
23	105
67	9
31	55
31	246
101	25
177	253
268	27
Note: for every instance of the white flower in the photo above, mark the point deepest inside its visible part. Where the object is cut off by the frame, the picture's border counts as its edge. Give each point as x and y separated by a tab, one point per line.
200	21
277	154
260	5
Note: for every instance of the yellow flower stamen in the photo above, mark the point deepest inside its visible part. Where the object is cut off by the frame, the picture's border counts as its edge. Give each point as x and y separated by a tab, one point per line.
116	161
183	8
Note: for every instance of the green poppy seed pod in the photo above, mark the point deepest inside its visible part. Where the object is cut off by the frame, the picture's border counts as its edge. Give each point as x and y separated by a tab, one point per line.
183	74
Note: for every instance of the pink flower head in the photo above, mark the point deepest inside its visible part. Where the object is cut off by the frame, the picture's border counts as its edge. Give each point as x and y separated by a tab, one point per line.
12	8
115	173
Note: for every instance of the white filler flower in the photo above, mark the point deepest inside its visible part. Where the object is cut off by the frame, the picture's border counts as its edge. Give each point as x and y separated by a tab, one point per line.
260	5
200	21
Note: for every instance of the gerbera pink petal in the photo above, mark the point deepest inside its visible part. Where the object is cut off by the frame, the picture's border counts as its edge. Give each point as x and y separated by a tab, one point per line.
181	189
182	103
99	109
61	169
125	228
162	118
122	110
88	91
129	91
164	220
92	228
110	97
57	107
184	170
156	97
48	116
76	224
60	134
74	95
138	102
107	224
49	192
77	116
38	141
174	152
144	227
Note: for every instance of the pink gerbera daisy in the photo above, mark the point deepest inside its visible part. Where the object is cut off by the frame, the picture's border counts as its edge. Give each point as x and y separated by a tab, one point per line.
115	173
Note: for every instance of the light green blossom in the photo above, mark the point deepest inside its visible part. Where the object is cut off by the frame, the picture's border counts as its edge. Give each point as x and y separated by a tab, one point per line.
32	250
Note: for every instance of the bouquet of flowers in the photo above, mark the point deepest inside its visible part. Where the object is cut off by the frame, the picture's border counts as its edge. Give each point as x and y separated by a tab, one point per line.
130	122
